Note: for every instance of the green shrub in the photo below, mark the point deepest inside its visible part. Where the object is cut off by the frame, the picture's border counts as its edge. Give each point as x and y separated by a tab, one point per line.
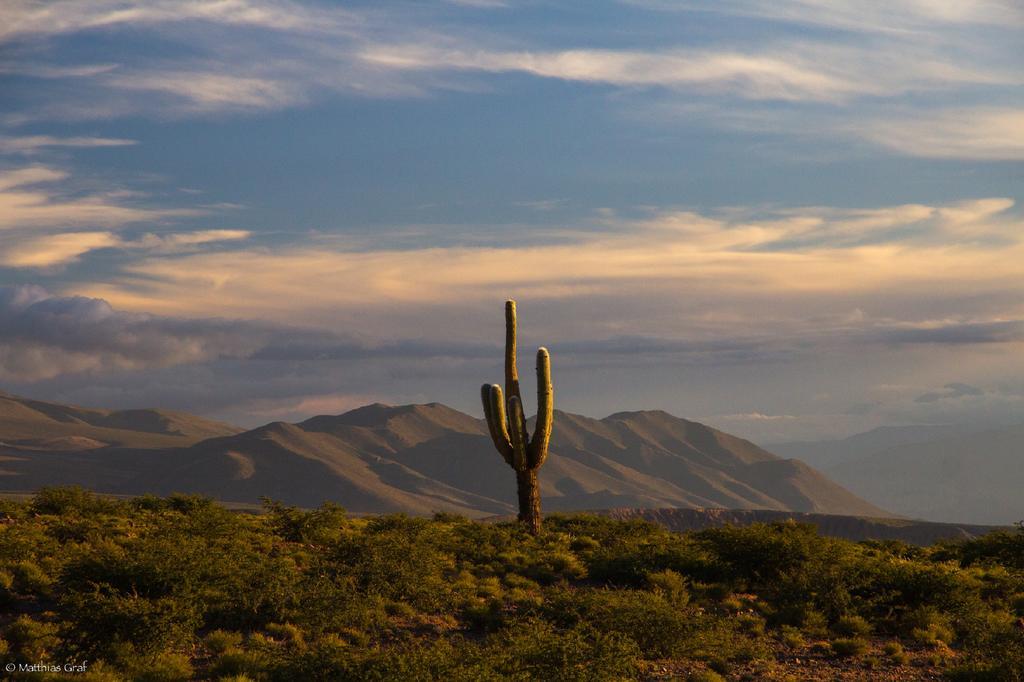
821	648
30	579
852	626
792	637
99	621
321	525
658	628
287	633
161	667
71	501
323	596
234	663
705	676
7	592
219	641
31	640
849	646
670	585
927	626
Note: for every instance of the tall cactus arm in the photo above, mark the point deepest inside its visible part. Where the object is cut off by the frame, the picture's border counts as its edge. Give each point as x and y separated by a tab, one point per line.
511	373
494	413
545	410
520	438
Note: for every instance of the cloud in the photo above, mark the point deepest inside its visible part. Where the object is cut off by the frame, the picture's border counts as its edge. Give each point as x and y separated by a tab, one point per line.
23	204
752	416
798	71
54	249
1003	331
753	76
28	144
43	222
950	392
897	16
43	336
982	133
25	17
213	91
322	48
736	286
59	249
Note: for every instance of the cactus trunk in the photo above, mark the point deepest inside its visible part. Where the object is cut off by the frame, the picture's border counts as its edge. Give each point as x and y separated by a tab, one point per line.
508	427
528	490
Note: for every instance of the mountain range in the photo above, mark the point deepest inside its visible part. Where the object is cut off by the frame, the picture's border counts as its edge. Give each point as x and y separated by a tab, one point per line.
949	473
410	458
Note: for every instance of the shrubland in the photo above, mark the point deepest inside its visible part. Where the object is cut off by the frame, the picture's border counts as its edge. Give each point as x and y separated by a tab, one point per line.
181	588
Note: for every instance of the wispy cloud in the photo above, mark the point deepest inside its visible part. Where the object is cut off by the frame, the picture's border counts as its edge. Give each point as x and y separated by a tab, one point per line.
952	391
32	197
52	250
322	48
44	224
809	267
38	252
212	91
28	144
26	17
982	133
798	71
897	16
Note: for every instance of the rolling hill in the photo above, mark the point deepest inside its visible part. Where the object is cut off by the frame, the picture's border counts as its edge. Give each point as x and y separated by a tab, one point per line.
940	473
35	424
412	458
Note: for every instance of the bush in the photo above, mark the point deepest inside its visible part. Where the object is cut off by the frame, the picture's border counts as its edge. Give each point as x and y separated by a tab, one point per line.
852	626
670	585
849	646
71	501
219	641
792	637
163	588
705	676
31	640
658	628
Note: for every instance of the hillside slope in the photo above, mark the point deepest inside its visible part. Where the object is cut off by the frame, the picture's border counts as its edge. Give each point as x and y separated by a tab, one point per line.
424	458
42	425
938	473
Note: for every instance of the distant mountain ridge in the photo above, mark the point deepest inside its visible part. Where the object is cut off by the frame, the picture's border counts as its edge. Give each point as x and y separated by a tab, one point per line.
941	473
25	421
426	458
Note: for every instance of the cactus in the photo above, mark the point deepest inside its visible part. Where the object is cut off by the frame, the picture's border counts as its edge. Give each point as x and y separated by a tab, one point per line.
508	428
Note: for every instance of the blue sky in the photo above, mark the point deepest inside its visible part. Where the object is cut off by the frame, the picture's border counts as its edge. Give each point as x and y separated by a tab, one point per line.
789	219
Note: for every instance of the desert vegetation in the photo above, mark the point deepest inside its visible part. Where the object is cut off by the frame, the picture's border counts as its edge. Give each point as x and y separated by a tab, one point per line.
181	588
508	428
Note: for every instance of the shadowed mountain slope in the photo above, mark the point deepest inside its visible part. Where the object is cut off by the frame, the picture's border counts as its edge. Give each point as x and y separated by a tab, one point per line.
424	458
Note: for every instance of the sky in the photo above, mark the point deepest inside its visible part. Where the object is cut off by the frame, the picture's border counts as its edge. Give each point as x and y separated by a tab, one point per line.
789	219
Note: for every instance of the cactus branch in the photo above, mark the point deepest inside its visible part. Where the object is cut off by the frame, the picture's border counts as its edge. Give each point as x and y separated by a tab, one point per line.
494	413
545	410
